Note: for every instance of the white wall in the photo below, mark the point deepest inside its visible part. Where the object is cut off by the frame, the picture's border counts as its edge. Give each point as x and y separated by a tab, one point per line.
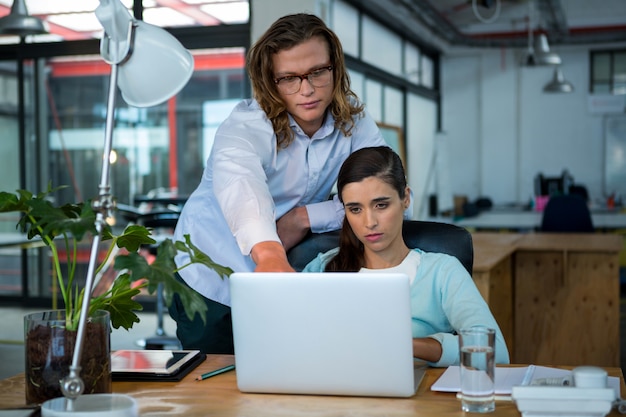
421	151
503	129
264	12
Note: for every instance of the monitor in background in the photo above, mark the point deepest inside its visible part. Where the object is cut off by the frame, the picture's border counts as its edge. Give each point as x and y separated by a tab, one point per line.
550	186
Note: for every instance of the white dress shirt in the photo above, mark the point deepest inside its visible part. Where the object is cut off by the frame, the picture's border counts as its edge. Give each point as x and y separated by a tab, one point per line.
249	183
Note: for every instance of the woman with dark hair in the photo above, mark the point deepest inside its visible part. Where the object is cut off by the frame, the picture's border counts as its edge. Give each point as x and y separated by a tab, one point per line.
272	167
373	189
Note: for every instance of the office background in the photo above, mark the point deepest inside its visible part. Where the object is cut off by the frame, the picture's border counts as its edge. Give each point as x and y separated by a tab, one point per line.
475	120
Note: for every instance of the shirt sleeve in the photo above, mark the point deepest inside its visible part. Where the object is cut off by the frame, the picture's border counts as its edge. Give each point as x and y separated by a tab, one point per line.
318	264
464	307
239	179
325	216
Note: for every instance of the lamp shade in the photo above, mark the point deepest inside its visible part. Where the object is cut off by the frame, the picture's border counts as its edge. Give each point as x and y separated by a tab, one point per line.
558	84
543	55
158	67
19	22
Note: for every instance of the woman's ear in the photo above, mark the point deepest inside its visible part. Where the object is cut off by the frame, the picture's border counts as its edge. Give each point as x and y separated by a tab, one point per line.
407	197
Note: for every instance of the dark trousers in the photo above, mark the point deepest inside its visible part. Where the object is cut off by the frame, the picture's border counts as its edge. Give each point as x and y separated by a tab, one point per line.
216	336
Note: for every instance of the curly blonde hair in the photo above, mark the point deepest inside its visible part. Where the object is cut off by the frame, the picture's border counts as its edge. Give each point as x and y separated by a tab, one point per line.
285	33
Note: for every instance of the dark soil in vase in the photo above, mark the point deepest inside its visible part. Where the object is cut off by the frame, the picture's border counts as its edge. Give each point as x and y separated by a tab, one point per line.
49	351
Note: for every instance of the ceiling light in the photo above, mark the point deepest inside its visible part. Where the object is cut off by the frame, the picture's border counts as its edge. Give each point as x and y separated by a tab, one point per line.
19	22
229	13
540	53
166	17
79	22
558	84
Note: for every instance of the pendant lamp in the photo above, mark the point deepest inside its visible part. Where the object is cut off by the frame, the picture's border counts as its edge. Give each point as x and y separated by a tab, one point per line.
543	55
540	53
19	22
558	84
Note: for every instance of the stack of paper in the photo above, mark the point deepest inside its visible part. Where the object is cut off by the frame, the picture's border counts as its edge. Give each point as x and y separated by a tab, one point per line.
507	377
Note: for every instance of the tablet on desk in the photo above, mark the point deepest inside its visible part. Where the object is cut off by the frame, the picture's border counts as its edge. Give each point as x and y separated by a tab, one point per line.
154	365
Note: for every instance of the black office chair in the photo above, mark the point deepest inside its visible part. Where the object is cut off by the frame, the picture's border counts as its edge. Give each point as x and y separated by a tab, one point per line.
428	236
567	213
579	190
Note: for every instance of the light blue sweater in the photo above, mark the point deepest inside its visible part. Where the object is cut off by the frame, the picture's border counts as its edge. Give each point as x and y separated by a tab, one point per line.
444	299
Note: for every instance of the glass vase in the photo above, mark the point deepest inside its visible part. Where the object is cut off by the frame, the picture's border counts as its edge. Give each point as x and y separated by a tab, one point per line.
49	348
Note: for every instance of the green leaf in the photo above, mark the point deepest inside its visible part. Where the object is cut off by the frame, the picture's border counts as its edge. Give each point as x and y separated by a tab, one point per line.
161	271
73	219
119	303
134	237
136	266
197	256
10	203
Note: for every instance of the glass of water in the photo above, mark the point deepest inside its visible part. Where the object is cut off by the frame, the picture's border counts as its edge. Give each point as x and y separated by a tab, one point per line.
477	349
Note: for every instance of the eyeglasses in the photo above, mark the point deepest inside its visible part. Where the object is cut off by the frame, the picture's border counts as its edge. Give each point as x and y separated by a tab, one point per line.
291	84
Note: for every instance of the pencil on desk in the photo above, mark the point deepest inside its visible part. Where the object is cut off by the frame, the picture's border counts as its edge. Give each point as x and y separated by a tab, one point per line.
216	372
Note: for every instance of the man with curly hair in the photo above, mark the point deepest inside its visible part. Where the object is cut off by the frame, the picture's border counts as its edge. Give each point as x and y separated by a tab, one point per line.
272	168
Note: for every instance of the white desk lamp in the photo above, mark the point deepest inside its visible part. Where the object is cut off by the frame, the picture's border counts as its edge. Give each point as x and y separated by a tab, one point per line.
152	66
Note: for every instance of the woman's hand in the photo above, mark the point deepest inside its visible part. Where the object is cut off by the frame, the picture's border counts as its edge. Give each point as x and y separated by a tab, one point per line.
427	349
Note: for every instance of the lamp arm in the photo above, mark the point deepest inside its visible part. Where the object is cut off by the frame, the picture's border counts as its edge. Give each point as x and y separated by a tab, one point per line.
110	49
73	386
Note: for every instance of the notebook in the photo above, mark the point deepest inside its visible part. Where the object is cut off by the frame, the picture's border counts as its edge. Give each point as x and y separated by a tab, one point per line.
324	334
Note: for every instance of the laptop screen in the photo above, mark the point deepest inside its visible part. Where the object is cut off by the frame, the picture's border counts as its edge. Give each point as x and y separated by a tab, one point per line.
323	333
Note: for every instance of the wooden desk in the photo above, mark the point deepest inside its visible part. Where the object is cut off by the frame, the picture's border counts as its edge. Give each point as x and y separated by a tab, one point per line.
492	273
498	220
555	296
531	220
219	396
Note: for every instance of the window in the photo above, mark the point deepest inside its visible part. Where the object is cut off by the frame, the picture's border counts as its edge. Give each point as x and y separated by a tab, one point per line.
608	72
381	45
60	93
145	138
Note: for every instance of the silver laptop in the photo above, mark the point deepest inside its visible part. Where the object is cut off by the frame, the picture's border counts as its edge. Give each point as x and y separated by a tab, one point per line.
324	334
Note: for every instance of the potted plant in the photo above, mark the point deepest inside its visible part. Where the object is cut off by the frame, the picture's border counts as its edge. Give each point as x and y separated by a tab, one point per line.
62	228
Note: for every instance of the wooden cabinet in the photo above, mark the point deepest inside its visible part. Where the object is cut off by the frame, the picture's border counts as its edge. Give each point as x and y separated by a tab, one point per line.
555	296
567	300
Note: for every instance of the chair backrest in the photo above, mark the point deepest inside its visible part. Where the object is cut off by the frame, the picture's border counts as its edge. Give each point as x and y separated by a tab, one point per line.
159	219
579	190
441	237
567	213
428	236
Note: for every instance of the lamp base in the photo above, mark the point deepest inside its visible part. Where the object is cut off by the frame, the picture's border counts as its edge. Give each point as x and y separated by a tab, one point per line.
91	405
